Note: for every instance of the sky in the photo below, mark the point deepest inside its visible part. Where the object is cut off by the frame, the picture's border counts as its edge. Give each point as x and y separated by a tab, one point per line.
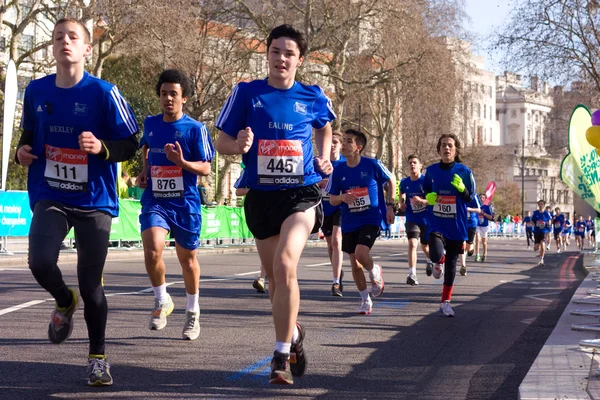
486	16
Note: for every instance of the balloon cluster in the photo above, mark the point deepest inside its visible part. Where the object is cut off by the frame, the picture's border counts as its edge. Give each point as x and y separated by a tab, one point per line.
593	133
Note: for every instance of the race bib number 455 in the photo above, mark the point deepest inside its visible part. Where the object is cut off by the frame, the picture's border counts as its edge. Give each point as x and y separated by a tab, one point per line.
66	169
280	162
362	202
445	207
167	181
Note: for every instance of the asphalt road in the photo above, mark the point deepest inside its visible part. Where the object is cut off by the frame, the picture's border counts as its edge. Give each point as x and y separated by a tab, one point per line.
505	309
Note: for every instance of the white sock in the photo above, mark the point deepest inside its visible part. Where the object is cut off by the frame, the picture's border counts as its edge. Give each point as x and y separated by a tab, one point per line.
160	292
192	302
428	260
283	348
364	294
295	334
412	270
336	281
372	272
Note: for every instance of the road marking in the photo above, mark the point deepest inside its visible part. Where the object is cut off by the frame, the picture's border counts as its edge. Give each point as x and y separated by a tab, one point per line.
248	273
248	370
319	264
528	321
537	296
397	254
14	269
21	306
391	304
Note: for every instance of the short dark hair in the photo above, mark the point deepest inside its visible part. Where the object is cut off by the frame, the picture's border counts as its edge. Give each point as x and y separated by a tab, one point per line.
336	134
413	156
175	76
86	33
359	137
541	201
457	144
288	31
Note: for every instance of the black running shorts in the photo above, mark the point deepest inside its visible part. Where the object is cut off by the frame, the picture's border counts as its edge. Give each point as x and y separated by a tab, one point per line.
414	231
539	237
471	234
330	221
366	236
267	210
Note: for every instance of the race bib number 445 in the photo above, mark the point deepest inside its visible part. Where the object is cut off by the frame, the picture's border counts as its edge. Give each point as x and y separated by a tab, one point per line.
66	169
445	207
280	162
167	181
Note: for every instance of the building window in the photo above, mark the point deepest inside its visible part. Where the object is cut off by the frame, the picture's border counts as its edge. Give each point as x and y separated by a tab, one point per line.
484	111
513	113
472	111
26	43
2	44
566	197
536	118
491	135
528	117
476	87
478	110
482	89
559	196
544	194
490	91
551	196
528	139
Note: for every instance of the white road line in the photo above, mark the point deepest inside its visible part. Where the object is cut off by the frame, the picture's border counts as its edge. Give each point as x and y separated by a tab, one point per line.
396	254
248	273
319	264
14	269
21	306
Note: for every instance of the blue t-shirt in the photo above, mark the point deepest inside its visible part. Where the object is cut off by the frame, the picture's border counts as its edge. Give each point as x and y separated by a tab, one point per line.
448	215
527	222
580	228
366	182
415	214
541	221
589	225
567	227
242	181
169	185
57	116
558	222
328	209
474	217
482	220
281	155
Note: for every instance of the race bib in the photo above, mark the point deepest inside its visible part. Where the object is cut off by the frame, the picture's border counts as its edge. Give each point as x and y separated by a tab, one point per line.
66	169
540	224
481	219
280	162
363	201
557	225
167	181
445	207
581	229
417	208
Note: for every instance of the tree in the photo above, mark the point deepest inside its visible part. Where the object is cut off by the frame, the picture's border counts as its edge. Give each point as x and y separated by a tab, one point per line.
504	201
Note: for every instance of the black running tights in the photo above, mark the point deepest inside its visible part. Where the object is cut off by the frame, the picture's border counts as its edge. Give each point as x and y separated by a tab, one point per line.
437	244
529	235
50	224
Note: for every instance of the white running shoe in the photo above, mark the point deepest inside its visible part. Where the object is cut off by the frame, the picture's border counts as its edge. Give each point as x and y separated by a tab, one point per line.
438	270
377	284
366	306
446	309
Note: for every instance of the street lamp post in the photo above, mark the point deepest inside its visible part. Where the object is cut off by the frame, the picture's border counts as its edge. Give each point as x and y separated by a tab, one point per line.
523	176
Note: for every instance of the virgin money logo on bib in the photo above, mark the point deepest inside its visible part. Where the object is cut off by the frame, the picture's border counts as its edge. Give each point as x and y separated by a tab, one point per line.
165	172
280	148
53	153
70	156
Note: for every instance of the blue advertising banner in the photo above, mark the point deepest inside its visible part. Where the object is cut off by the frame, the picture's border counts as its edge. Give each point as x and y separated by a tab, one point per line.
15	215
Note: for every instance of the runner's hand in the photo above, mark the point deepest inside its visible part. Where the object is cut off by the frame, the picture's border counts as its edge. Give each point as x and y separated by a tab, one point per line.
174	153
89	143
431	198
244	139
390	216
457	182
349	198
142	179
24	155
403	206
323	165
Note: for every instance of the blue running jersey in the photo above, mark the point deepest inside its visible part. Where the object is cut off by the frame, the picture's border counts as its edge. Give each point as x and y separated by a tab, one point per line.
448	215
580	228
483	221
281	155
169	185
558	223
541	221
589	225
57	116
365	181
528	223
242	182
415	214
328	209
567	227
474	217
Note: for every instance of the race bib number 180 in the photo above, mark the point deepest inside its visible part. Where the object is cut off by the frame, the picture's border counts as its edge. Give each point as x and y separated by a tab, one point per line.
167	181
280	162
445	207
66	169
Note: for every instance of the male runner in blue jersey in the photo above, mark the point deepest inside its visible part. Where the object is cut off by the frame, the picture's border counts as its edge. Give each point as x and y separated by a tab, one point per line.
176	150
580	233
415	207
474	210
528	229
558	222
75	129
358	186
589	228
566	233
270	122
331	223
485	216
449	187
541	221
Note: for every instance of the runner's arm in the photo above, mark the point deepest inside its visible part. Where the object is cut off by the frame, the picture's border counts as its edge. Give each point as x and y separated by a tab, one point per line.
323	137
227	145
120	149
201	168
25	139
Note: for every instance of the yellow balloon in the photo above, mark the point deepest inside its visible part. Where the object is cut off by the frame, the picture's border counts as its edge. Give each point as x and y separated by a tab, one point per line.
593	136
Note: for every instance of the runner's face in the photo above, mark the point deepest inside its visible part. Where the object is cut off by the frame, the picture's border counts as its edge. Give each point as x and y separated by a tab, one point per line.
448	150
349	146
69	45
482	198
541	206
415	165
283	58
171	98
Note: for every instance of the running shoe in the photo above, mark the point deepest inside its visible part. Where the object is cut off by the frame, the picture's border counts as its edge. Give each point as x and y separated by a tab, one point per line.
411	280
377	284
548	247
557	251
158	318
463	270
483	257
429	269
281	373
438	270
446	309
61	320
297	355
335	290
98	372
541	263
259	285
191	328
366	306
470	253
477	258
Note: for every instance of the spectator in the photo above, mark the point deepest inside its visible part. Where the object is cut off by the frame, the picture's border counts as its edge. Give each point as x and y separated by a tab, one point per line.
203	195
122	187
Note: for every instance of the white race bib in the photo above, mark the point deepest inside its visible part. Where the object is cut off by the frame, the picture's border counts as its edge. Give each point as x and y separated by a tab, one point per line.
66	169
417	208
167	181
445	207
363	201
280	162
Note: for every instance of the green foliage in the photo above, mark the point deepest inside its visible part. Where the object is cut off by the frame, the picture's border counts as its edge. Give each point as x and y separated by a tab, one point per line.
507	199
17	175
135	78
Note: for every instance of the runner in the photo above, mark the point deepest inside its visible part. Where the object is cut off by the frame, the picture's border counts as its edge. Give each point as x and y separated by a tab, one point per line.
580	233
75	129
283	206
548	209
415	207
449	187
566	233
528	229
589	227
241	189
485	216
558	222
331	223
474	210
542	221
358	186
176	149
